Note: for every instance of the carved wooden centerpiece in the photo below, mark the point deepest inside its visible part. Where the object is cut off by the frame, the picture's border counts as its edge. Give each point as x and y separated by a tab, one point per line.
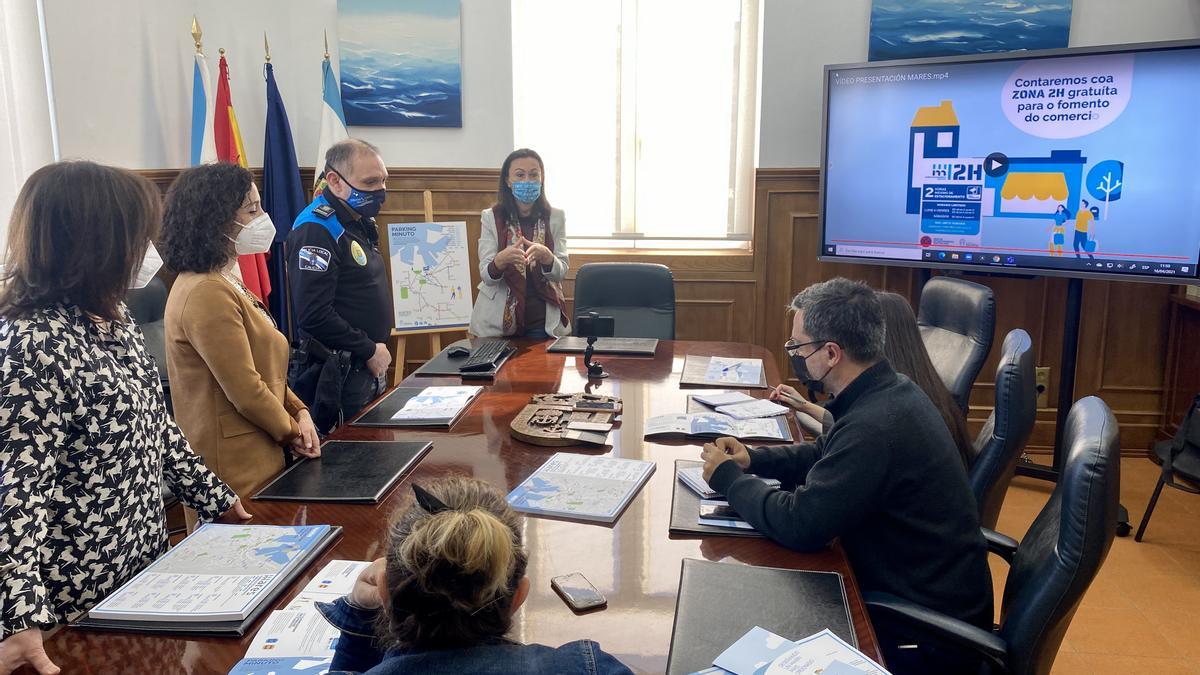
545	420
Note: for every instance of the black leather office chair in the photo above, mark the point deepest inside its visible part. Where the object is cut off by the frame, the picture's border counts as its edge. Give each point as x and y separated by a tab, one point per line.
1180	459
148	307
1052	566
999	444
640	297
957	319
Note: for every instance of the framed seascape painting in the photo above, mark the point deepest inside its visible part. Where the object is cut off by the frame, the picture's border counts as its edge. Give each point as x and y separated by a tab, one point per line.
401	62
909	29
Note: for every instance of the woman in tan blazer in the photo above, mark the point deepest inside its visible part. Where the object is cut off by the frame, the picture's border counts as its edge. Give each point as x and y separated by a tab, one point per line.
226	359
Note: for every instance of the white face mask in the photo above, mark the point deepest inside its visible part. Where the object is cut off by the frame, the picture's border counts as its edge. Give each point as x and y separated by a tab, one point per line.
256	236
151	263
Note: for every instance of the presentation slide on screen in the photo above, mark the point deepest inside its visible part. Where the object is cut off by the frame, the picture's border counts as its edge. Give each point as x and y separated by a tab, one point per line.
1083	160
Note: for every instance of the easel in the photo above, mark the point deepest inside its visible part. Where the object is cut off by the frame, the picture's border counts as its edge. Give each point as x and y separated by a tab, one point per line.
399	339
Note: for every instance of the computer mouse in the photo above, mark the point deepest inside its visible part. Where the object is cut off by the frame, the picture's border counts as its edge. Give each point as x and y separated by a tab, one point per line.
458	352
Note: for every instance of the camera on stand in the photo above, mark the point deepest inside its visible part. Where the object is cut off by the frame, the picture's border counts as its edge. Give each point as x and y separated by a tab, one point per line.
592	326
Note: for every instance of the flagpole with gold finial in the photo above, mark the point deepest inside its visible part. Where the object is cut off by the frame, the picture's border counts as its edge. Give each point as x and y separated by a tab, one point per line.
266	46
327	44
196	34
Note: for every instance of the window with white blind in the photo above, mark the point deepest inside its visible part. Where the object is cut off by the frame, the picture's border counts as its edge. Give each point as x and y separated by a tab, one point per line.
644	112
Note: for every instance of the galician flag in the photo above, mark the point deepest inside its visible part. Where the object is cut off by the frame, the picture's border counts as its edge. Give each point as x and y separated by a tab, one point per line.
204	150
230	149
333	121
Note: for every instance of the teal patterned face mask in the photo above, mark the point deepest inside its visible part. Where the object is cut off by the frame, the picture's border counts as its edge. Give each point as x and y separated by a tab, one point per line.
526	192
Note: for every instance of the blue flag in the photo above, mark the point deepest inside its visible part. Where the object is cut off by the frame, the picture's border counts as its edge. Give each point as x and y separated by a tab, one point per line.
283	196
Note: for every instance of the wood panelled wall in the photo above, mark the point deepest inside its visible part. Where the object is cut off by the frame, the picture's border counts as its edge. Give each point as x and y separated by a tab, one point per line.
742	296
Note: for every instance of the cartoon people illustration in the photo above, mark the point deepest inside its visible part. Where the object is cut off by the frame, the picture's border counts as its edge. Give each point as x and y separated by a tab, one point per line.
1058	231
1083	224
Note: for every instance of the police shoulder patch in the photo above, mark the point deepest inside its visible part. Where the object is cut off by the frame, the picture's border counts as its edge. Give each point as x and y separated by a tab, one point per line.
313	259
323	211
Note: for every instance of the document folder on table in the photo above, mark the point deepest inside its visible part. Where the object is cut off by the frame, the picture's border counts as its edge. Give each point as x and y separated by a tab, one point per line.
685	509
352	472
719	602
185	569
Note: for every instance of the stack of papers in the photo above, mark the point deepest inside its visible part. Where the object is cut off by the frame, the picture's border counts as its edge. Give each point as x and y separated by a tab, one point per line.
732	521
723	398
693	477
752	409
761	652
715	425
298	640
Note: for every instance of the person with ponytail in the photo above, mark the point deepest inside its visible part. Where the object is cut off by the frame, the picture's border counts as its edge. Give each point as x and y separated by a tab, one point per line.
522	257
444	596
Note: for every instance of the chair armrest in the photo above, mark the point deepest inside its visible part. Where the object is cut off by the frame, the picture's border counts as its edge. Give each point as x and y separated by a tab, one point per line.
921	622
1000	544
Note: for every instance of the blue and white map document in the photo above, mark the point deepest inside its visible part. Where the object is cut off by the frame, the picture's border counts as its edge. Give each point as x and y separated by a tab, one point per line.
334	580
715	425
431	275
292	642
719	371
437	405
218	573
584	487
761	652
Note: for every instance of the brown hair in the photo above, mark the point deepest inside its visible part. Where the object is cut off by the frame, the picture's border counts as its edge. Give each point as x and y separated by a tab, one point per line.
198	222
506	204
79	230
905	350
451	576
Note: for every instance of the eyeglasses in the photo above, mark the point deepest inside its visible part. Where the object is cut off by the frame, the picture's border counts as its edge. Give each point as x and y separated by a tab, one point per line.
791	346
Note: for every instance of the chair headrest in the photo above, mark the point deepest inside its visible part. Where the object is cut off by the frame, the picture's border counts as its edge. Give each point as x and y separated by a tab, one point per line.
148	304
959	306
624	285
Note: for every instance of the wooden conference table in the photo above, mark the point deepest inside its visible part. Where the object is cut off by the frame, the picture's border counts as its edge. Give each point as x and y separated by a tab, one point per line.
635	562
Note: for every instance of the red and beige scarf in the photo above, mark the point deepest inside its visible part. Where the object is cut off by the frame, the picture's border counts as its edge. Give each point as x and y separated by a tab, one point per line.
508	230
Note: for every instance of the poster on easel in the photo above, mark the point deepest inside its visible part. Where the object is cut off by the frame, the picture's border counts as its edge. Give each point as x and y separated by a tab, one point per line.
431	275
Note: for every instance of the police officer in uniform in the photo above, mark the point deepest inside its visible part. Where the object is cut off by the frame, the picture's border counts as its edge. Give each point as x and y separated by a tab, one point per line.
339	287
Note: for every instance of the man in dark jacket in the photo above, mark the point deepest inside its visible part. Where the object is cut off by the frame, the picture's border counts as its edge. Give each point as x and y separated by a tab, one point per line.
886	478
339	286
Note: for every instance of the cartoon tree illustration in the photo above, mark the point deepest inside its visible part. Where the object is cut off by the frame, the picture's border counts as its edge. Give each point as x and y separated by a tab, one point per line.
1104	182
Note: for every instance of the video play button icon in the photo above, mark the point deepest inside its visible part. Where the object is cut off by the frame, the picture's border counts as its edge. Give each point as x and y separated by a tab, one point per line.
995	164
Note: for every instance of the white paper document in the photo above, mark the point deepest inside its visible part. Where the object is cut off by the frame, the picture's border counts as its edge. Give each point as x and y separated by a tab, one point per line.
723	398
437	403
693	477
334	580
294	633
752	409
734	371
813	654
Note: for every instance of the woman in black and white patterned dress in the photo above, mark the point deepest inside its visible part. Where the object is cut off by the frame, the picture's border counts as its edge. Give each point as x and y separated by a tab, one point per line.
85	438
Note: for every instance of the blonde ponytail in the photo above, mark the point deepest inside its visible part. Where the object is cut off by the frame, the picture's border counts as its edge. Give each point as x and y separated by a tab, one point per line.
452	574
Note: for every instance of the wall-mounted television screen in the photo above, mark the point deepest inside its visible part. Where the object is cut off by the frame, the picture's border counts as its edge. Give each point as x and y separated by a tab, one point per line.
1076	162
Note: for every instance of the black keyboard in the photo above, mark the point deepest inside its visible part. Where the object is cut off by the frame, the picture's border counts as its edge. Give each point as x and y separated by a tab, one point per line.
484	356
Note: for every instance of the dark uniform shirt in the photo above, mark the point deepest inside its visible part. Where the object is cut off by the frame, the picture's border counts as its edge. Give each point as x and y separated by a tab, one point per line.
338	278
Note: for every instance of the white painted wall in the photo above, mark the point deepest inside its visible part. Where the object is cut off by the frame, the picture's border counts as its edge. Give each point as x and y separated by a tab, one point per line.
801	36
122	76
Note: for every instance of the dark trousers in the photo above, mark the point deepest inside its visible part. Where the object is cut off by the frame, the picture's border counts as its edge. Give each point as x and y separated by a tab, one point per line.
1080	244
906	658
334	389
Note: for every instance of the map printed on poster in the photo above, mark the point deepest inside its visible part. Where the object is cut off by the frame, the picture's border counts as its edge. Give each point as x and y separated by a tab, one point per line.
431	275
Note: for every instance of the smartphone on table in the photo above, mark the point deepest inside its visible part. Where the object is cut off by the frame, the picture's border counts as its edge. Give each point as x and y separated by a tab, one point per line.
579	593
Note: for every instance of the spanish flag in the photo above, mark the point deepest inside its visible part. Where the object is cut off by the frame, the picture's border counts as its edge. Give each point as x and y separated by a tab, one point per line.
229	149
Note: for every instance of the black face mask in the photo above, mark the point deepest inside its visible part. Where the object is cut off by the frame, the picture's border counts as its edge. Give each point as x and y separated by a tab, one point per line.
800	367
364	202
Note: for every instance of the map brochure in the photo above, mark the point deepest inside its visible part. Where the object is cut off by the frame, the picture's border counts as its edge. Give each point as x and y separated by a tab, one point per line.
718	371
583	487
693	477
729	519
751	409
436	406
716	425
293	642
218	573
720	398
431	275
761	652
334	580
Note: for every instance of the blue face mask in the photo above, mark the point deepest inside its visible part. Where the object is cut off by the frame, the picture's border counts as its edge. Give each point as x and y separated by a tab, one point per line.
526	192
364	203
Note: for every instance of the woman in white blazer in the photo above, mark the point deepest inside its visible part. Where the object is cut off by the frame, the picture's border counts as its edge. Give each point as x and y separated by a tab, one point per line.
522	257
